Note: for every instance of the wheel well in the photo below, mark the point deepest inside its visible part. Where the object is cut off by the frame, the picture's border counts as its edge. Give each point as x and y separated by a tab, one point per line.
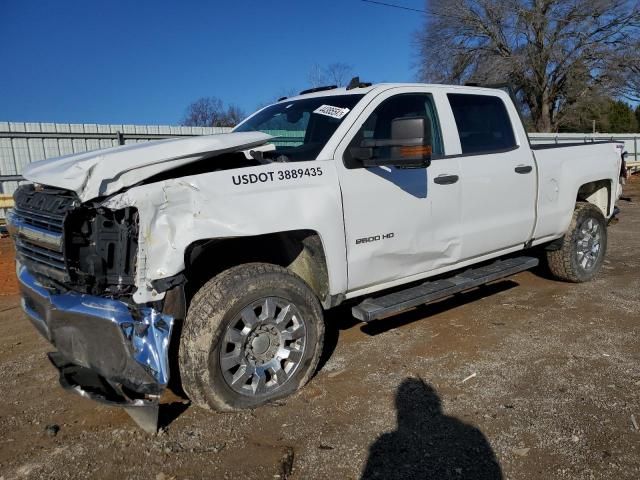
597	193
300	251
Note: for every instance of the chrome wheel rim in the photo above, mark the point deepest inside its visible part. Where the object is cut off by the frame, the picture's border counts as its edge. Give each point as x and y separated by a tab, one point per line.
263	346
588	244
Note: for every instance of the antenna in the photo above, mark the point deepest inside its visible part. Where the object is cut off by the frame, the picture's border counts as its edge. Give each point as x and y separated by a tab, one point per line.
356	83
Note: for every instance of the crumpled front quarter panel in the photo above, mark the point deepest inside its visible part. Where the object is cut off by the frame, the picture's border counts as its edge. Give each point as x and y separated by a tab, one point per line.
234	203
104	172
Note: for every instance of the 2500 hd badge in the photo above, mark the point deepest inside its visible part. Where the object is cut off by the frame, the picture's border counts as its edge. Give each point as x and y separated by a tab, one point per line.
277	175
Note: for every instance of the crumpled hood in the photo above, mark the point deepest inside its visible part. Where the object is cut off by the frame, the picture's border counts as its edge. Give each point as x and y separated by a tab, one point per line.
103	172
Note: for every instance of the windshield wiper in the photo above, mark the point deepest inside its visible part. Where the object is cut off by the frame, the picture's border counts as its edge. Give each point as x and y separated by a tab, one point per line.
258	156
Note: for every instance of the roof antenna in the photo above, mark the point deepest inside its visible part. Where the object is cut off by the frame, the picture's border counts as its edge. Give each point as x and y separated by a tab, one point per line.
356	83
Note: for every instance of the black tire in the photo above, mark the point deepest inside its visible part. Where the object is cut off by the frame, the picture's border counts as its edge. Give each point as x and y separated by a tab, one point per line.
566	263
216	309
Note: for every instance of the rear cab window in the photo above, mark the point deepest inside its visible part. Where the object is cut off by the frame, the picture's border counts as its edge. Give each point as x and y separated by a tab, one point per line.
484	125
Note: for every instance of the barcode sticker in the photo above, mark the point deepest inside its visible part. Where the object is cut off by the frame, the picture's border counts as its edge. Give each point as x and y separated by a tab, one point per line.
331	111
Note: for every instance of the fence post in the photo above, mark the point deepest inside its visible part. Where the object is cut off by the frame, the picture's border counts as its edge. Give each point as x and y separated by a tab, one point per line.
120	138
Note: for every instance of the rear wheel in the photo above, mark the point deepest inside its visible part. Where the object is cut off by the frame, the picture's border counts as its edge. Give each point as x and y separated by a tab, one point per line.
580	257
253	334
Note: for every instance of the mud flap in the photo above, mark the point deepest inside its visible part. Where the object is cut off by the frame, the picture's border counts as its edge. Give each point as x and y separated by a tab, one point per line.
88	384
146	417
613	219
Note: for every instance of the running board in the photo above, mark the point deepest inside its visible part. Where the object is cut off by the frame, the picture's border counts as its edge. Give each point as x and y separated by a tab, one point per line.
392	303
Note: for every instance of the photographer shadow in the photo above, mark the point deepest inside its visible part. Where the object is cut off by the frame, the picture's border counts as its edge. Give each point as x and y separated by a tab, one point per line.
429	444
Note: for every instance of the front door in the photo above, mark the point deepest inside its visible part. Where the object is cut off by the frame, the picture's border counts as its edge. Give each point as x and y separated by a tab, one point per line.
398	222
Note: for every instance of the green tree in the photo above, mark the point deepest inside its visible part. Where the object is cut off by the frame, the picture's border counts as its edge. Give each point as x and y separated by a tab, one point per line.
580	116
622	118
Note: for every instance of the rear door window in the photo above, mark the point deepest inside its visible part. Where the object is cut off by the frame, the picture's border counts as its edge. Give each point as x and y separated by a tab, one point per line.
483	123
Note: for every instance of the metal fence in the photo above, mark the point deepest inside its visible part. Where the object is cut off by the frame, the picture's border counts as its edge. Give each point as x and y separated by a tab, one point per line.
631	140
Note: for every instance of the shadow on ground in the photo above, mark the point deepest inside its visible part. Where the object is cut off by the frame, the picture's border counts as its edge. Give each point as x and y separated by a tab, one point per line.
340	318
429	444
424	312
168	412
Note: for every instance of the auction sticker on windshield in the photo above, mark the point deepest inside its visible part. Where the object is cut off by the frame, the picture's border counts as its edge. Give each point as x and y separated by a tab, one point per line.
331	111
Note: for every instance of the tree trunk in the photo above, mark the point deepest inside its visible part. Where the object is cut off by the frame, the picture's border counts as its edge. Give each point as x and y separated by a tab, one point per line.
543	120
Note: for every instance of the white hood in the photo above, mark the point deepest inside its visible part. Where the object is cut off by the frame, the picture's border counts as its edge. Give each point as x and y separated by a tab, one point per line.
103	172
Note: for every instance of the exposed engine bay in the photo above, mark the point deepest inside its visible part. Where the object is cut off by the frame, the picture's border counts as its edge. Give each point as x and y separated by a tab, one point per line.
85	248
100	249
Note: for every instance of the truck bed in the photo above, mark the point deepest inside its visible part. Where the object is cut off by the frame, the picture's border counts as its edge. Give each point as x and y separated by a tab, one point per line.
545	146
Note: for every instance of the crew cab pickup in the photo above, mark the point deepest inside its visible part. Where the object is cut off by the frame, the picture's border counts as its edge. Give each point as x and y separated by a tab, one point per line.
217	255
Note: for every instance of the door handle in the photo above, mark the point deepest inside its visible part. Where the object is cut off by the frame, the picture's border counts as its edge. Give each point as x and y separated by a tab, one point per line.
523	169
445	179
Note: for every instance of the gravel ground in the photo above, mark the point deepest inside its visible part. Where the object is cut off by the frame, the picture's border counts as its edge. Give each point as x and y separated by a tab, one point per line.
8	281
527	378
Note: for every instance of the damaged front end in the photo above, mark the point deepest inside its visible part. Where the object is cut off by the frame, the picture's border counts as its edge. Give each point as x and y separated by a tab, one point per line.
76	268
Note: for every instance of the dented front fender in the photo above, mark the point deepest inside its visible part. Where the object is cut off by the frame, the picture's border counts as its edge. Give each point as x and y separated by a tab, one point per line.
276	197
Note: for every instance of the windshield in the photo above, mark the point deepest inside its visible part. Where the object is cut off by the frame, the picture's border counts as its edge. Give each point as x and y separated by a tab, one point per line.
301	127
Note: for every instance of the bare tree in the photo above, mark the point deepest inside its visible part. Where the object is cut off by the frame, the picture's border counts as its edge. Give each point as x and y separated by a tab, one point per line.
633	83
629	65
210	112
234	115
204	112
556	53
316	77
337	73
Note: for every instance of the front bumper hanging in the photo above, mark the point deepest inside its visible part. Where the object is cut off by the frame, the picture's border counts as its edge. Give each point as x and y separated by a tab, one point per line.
107	350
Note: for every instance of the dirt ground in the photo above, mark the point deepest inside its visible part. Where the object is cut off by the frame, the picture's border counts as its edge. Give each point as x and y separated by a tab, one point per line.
527	378
8	281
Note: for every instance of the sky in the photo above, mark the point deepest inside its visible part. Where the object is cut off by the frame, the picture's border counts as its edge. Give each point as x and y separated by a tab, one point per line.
143	62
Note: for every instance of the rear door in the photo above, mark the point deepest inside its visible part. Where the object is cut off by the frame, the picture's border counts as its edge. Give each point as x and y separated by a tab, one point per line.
497	174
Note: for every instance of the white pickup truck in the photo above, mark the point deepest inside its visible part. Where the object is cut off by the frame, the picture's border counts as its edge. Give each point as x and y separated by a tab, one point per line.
217	255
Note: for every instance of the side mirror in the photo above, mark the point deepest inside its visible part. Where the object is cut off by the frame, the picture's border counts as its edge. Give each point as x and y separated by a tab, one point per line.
408	146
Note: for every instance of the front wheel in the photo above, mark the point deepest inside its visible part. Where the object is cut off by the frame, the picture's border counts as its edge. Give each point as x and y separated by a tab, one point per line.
580	257
253	334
